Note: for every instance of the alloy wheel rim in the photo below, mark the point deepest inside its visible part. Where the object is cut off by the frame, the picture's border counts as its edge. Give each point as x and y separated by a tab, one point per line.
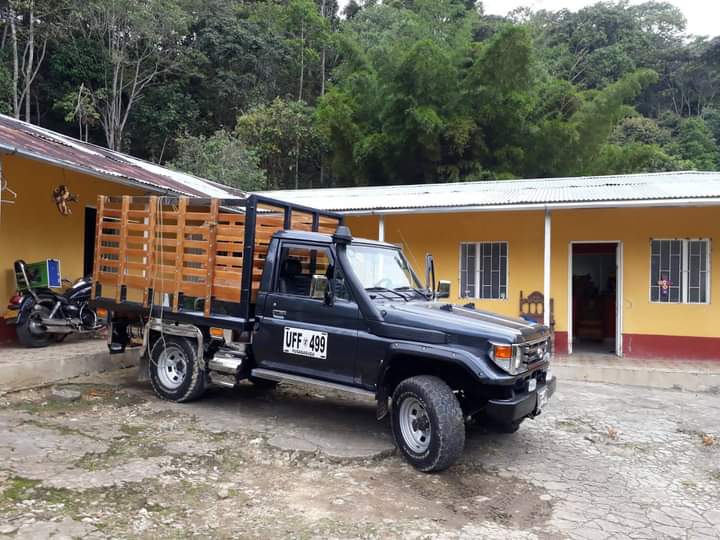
415	425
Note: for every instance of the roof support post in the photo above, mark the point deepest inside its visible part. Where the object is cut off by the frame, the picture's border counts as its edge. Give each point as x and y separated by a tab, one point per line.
381	228
546	268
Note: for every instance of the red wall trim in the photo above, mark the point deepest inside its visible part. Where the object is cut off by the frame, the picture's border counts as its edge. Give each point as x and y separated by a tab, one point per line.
561	342
675	347
7	334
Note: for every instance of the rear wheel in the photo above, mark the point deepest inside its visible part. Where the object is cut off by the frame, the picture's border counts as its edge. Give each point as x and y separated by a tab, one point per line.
175	371
427	423
32	332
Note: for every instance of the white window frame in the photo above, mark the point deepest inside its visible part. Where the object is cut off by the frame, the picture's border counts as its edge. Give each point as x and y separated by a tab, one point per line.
477	270
684	271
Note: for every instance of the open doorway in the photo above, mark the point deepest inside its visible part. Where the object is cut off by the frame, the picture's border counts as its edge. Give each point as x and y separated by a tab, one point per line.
595	298
89	239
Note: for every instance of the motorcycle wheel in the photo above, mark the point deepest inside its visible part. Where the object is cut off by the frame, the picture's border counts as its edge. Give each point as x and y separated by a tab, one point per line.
31	332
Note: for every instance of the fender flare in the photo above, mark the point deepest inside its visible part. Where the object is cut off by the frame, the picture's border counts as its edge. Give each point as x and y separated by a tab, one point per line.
455	357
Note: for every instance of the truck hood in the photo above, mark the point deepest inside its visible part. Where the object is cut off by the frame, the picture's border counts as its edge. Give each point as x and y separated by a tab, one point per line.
459	323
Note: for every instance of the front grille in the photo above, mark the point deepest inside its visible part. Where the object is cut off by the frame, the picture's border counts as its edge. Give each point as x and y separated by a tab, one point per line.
534	352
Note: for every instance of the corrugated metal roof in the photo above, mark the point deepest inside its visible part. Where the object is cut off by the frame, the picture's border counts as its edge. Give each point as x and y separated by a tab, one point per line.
650	189
34	142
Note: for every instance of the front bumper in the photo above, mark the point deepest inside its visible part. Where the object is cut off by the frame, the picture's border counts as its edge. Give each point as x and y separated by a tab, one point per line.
508	411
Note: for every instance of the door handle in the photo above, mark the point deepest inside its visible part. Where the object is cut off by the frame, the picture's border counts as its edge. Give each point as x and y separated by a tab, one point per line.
279	313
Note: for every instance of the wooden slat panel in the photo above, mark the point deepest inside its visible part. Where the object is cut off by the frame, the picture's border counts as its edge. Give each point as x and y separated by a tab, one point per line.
191	257
123	245
192	289
137	282
98	243
108	212
198	216
233	275
106	250
182	206
135	252
212	234
189	271
108	277
227	294
228	261
199	244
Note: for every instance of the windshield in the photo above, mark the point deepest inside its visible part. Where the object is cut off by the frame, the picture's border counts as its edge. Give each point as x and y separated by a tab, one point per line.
381	268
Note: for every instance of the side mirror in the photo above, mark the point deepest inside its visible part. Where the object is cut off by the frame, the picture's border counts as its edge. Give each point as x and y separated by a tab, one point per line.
443	290
320	288
430	273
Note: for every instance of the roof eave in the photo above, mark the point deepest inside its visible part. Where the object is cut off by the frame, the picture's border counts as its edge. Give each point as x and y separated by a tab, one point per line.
640	203
13	150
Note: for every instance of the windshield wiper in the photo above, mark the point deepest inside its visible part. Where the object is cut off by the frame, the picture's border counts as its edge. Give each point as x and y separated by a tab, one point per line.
386	290
422	292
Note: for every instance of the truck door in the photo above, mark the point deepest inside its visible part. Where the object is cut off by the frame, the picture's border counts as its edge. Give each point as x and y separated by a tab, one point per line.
298	331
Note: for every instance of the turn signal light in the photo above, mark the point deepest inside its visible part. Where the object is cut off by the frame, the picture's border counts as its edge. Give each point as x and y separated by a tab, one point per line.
101	313
503	352
217	332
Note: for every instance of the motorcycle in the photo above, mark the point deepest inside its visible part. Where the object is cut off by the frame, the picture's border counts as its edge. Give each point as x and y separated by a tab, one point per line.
44	315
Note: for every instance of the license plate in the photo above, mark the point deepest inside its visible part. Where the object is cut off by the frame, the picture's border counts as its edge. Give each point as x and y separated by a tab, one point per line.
542	398
305	342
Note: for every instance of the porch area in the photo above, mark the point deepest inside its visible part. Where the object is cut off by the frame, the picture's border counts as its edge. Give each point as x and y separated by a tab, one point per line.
686	375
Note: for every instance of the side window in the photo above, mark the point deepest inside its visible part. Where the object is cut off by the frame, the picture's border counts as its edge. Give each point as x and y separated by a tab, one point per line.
680	271
484	270
298	265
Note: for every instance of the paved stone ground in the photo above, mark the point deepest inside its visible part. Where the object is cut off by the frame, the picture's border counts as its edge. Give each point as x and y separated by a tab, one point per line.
601	462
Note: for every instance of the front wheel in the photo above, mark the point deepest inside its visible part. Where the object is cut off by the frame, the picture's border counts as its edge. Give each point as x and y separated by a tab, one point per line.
427	423
175	371
32	332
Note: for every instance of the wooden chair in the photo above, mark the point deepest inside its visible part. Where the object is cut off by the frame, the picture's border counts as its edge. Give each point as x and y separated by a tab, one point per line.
532	307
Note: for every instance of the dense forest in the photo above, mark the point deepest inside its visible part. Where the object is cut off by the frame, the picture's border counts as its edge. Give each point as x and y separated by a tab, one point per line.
294	93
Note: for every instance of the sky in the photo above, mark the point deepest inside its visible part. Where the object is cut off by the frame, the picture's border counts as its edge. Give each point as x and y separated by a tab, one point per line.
703	16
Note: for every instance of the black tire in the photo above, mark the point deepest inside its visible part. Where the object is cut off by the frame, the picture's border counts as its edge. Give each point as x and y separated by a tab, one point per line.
441	417
264	384
29	333
176	384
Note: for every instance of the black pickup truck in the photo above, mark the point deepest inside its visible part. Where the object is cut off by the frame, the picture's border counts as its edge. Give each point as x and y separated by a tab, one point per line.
331	310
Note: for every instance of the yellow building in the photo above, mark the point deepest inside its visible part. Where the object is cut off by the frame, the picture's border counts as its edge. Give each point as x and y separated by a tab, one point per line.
623	263
35	163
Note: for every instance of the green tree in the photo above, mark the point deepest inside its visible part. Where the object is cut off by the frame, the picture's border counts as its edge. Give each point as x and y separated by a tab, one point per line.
697	145
222	157
286	141
137	41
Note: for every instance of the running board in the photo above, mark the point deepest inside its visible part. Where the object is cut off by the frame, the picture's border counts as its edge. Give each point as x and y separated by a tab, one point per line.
279	376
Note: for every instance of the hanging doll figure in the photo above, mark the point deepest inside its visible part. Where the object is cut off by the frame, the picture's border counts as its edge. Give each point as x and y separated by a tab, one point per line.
63	198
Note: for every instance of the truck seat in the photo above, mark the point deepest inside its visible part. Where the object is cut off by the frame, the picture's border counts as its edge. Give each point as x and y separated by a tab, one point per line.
292	280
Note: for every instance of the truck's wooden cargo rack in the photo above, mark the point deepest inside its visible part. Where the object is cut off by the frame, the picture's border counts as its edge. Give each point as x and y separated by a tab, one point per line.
187	255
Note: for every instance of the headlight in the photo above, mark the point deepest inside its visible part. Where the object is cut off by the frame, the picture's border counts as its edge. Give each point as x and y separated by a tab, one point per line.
507	357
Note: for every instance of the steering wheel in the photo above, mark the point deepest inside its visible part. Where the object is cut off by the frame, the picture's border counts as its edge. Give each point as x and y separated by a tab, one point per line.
382	281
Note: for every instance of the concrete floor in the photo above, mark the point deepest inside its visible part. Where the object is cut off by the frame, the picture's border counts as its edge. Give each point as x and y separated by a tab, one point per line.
691	375
23	367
